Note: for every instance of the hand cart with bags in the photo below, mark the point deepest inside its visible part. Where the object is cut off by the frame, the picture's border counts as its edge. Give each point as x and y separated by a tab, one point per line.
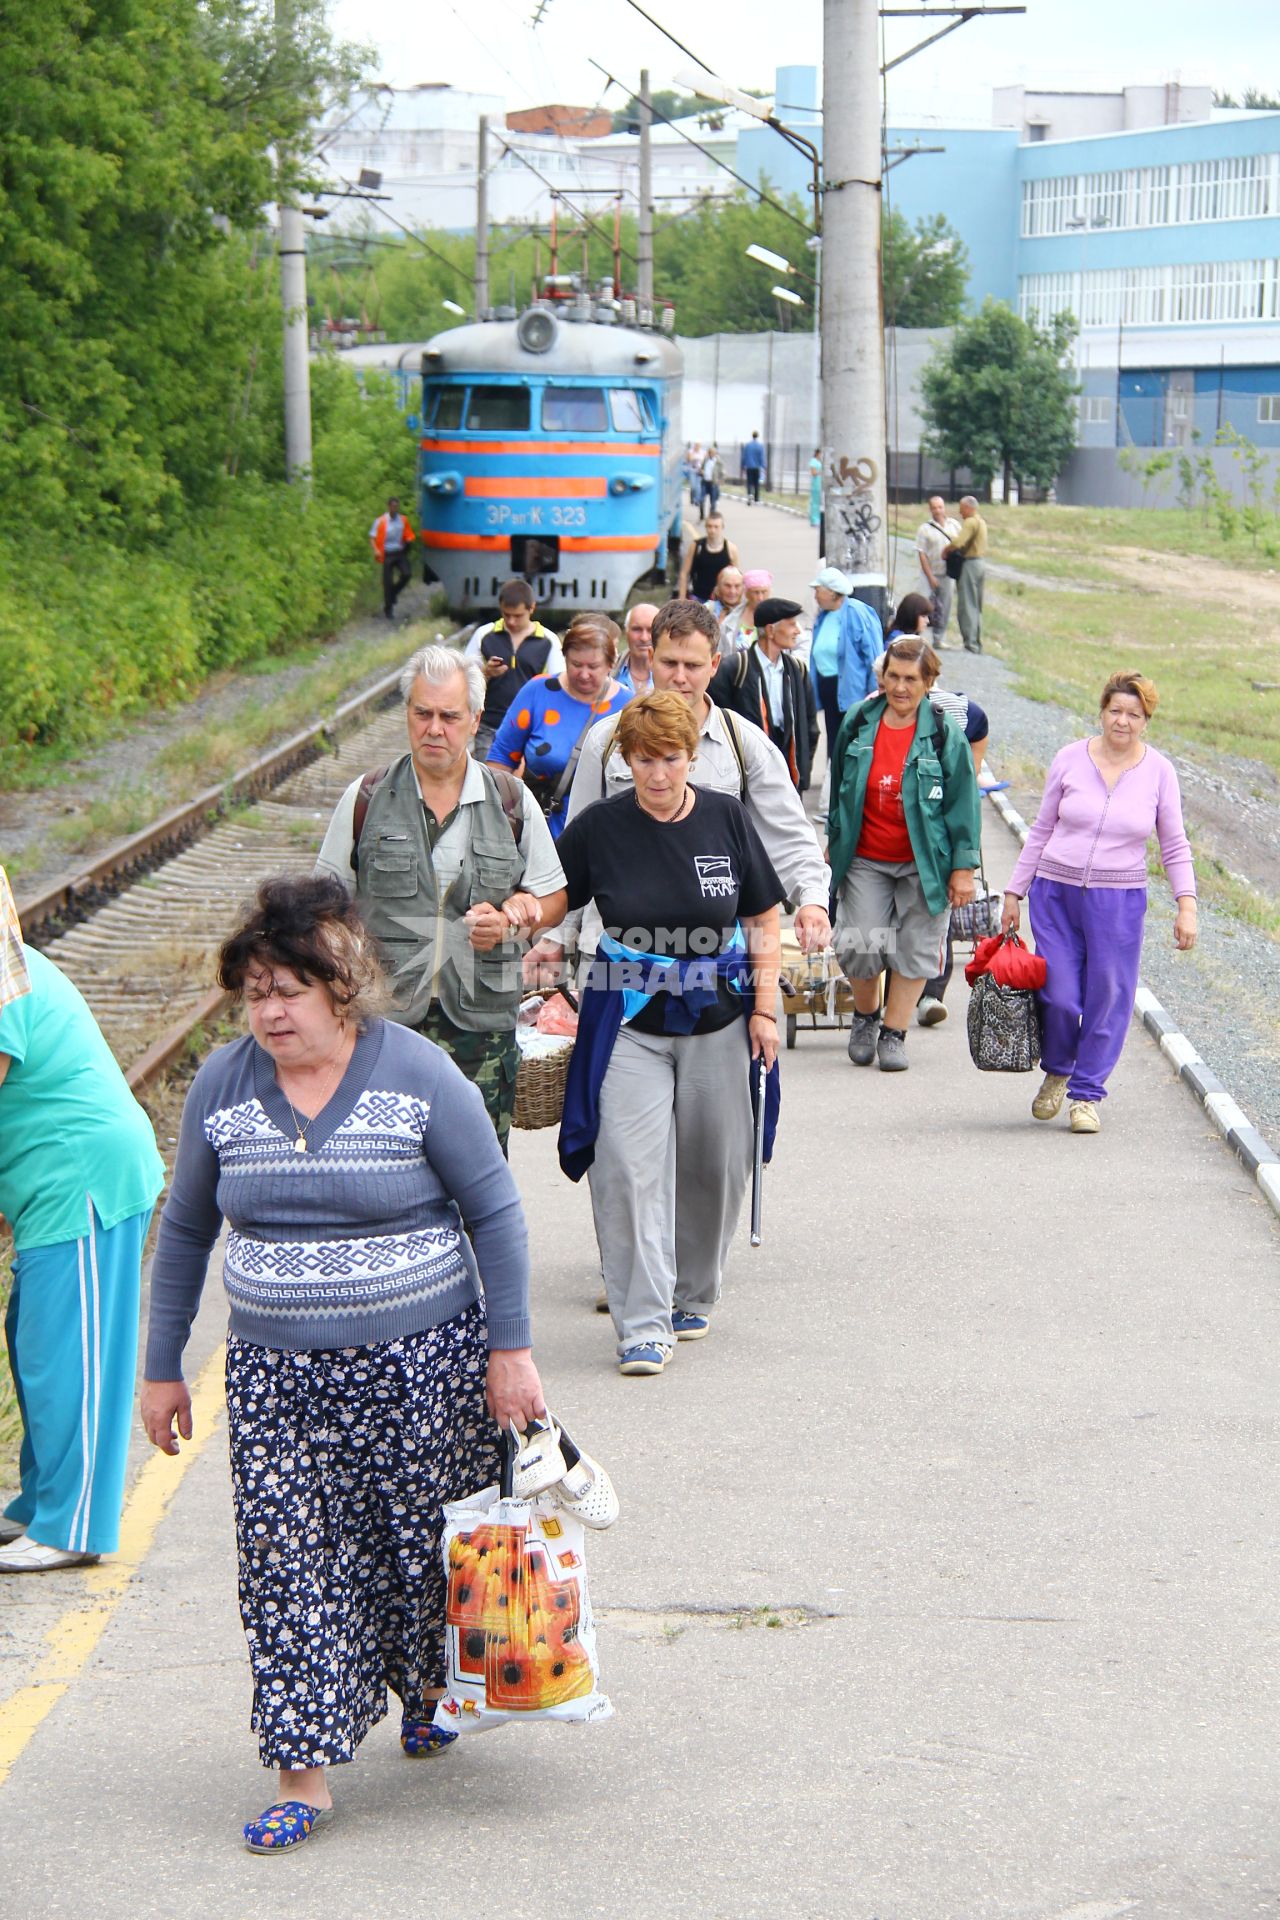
813	988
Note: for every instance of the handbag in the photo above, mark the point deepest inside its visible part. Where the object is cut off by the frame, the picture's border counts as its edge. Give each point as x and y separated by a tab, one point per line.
520	1638
954	563
980	919
1003	1021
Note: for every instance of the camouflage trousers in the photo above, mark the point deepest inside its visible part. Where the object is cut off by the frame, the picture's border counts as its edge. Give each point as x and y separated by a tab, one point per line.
489	1061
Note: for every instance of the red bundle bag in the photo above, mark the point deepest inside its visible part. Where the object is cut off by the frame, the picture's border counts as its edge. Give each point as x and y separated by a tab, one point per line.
1009	962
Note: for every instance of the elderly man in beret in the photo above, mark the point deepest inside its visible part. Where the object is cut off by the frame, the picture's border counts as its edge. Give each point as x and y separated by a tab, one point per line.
769	686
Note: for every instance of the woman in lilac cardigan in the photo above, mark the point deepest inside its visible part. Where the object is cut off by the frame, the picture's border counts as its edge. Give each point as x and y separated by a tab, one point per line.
1084	873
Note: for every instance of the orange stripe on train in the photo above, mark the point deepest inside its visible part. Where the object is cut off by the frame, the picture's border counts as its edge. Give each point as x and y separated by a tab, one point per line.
632	449
501	542
530	486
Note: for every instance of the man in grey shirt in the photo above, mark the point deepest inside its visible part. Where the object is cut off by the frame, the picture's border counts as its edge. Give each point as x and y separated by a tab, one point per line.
453	867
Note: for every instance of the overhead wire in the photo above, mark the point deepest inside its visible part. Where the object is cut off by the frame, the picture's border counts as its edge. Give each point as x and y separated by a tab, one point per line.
758	193
559	193
668	35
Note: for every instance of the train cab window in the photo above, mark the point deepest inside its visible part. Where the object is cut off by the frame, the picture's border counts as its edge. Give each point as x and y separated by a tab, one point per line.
447	403
574	410
630	410
498	410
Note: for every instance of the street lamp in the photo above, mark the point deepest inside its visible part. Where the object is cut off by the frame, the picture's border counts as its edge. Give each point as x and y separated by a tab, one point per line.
451	306
785	293
767	258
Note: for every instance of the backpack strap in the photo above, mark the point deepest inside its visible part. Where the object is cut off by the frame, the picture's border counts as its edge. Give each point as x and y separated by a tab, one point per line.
511	794
741	667
363	796
735	740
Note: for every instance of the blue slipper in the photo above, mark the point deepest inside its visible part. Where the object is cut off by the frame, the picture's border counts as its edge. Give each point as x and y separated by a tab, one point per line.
423	1739
285	1825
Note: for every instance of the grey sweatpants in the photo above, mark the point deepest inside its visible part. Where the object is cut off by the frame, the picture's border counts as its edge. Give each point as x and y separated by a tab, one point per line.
672	1161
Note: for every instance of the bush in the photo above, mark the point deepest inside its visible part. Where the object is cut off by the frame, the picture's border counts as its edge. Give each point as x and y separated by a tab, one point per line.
95	633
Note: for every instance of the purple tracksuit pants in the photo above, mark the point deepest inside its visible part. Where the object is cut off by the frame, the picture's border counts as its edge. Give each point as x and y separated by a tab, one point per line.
1091	940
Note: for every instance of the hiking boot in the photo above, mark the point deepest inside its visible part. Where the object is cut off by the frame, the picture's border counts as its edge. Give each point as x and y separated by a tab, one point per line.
862	1038
1047	1104
891	1050
1084	1117
930	1012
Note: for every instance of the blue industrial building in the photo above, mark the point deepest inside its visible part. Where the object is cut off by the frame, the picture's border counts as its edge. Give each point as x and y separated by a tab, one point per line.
1150	216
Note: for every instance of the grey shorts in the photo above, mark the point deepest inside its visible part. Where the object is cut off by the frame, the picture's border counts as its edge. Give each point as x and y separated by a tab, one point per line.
882	920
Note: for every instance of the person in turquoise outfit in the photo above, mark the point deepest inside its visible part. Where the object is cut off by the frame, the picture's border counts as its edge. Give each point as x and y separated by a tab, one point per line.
543	733
79	1175
815	488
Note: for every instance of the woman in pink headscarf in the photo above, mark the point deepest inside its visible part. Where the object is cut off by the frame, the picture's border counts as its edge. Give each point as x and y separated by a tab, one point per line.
738	627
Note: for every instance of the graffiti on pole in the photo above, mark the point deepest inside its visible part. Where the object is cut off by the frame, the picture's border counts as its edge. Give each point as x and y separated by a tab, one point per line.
853	484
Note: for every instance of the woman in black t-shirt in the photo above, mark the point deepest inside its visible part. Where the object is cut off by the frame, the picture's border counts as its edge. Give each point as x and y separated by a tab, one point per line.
660	1080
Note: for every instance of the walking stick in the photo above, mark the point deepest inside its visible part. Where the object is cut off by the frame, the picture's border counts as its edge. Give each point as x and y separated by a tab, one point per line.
757	1165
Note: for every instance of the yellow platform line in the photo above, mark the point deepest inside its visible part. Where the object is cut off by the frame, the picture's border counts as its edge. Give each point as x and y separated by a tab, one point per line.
70	1642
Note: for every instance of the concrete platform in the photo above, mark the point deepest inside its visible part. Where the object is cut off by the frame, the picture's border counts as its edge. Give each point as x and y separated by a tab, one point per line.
944	1589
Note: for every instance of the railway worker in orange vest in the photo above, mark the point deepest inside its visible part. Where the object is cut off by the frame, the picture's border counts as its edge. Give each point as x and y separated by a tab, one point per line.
391	537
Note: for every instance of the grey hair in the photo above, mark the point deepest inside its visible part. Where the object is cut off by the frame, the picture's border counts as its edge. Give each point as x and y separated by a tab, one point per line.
968	500
438	664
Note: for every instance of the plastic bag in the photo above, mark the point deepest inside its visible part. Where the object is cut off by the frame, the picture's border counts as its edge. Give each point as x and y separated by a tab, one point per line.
1009	963
520	1639
557	1015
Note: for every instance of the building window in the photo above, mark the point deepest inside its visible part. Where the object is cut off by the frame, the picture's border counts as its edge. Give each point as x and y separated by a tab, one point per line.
1194	294
1194	193
1095	410
1269	409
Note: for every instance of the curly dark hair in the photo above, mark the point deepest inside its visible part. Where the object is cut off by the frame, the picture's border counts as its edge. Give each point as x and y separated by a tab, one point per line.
309	924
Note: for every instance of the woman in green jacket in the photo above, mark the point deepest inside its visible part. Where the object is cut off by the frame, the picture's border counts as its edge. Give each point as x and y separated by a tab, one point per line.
905	830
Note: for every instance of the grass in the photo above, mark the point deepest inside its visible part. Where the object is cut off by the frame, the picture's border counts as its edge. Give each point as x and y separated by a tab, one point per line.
1202	655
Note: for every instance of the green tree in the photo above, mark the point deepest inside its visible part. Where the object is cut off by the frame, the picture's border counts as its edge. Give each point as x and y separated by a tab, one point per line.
926	271
137	150
1000	397
671	106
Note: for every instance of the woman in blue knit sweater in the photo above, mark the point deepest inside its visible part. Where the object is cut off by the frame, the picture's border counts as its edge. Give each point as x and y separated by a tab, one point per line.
366	1340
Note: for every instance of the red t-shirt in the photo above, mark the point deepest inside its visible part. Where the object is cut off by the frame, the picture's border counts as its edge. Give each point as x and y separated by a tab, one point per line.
884	833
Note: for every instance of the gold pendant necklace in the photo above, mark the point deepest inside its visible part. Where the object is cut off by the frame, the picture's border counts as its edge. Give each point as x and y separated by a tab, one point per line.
300	1144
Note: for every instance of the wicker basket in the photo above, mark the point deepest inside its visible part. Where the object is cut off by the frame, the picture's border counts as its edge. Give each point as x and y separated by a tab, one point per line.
540	1083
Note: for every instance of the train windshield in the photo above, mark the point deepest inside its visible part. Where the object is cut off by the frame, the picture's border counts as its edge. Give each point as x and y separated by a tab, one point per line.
447	408
574	410
630	410
498	410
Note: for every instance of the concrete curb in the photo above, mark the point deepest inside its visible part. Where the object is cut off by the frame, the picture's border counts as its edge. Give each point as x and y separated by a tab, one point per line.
1232	1122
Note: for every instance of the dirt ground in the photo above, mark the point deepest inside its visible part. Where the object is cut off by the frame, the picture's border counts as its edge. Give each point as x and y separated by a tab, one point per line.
1193	577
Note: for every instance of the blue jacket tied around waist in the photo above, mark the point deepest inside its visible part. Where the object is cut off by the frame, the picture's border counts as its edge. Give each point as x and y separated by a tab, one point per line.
620	983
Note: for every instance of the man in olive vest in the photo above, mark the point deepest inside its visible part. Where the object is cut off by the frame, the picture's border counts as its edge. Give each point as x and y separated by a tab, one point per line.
453	869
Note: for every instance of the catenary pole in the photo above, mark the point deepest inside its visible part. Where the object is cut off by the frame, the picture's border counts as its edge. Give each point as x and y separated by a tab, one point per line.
854	434
293	300
482	219
644	229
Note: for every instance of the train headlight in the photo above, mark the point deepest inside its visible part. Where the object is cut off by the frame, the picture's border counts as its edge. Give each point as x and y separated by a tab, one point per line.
536	330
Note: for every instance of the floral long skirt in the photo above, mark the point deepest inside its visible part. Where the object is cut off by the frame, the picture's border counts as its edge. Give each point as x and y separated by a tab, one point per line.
340	1462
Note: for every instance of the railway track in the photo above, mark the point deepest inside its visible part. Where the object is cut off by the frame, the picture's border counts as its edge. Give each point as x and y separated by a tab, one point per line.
138	929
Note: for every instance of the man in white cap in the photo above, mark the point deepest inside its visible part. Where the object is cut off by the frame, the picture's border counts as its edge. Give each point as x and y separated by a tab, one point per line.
847	637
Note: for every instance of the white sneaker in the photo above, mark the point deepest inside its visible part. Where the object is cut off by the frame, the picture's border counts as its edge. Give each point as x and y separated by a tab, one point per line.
25	1555
539	1463
930	1013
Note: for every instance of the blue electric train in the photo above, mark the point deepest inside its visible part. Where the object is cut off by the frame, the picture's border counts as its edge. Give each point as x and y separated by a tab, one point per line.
549	446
